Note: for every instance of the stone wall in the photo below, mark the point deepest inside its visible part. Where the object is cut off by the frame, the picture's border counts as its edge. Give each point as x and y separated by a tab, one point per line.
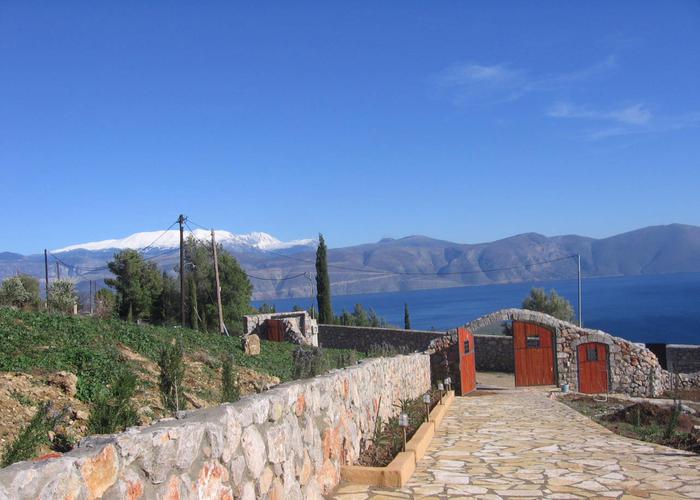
285	443
633	369
683	358
361	338
494	353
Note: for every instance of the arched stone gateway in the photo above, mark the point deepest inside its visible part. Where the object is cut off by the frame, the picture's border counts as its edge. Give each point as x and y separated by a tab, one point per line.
630	368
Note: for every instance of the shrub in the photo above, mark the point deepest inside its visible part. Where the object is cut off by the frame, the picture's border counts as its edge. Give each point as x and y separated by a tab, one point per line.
62	296
308	361
34	435
230	390
113	411
172	372
386	350
346	358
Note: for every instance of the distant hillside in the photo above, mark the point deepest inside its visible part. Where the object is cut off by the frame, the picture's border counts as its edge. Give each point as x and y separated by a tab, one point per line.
419	262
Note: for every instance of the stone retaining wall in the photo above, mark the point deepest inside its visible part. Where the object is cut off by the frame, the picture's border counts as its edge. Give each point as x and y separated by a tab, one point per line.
361	338
285	443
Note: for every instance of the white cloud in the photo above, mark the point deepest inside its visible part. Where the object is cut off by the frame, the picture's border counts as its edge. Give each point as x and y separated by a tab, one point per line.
472	82
627	120
635	114
466	74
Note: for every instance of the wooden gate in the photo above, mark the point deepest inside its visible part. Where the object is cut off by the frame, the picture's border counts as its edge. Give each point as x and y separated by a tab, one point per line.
593	368
467	362
275	330
534	354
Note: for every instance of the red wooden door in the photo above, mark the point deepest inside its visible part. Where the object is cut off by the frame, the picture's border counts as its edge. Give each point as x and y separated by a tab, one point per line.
534	354
593	368
467	362
275	330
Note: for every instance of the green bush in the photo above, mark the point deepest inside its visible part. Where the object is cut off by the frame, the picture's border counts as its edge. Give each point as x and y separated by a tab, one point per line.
308	361
34	435
113	411
386	350
346	358
230	391
172	373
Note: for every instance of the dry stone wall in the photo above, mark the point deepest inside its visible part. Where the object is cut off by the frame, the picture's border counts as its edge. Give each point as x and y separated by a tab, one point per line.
683	358
361	338
285	443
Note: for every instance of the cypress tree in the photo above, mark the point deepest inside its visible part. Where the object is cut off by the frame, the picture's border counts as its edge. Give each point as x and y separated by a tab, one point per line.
323	284
406	317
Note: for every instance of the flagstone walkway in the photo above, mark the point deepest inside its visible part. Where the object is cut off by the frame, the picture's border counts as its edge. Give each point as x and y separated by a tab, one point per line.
522	444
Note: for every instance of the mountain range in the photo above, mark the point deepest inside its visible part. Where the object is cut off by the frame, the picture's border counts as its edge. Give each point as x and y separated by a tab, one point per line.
410	263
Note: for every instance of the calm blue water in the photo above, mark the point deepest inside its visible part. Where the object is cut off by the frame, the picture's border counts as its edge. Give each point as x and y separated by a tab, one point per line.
662	308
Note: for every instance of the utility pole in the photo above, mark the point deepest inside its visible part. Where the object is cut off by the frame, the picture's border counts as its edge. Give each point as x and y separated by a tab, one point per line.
46	276
58	272
92	294
222	329
181	220
580	312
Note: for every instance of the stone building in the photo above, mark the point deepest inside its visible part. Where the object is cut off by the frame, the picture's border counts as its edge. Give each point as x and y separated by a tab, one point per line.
544	349
297	327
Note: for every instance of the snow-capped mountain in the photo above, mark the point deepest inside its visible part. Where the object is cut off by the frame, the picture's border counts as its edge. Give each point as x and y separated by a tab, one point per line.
255	241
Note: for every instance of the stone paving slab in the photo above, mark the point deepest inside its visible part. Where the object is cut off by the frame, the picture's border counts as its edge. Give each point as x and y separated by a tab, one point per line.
522	444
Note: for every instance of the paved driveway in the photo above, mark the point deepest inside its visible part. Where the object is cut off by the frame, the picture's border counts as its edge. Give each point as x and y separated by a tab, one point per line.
521	444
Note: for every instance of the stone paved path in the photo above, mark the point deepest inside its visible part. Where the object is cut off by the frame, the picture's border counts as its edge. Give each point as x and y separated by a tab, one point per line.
521	444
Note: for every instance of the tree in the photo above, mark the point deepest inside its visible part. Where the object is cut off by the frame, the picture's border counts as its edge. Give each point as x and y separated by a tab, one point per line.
137	283
552	304
62	296
13	292
323	284
172	373
406	317
230	390
105	303
113	410
236	289
166	306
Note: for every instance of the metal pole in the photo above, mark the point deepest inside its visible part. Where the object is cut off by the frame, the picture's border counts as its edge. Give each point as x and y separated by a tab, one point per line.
46	276
222	331
181	220
580	312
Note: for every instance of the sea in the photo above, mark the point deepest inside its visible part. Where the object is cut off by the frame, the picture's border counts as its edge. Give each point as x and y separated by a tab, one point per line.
649	308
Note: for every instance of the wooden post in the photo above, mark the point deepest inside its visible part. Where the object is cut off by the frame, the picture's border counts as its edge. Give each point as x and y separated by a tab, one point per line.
58	272
222	329
46	276
182	220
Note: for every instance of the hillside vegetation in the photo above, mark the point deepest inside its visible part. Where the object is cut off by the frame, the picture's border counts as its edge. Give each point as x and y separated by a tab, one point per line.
92	348
34	346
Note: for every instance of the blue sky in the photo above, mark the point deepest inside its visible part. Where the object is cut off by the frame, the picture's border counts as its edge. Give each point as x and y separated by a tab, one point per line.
466	121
